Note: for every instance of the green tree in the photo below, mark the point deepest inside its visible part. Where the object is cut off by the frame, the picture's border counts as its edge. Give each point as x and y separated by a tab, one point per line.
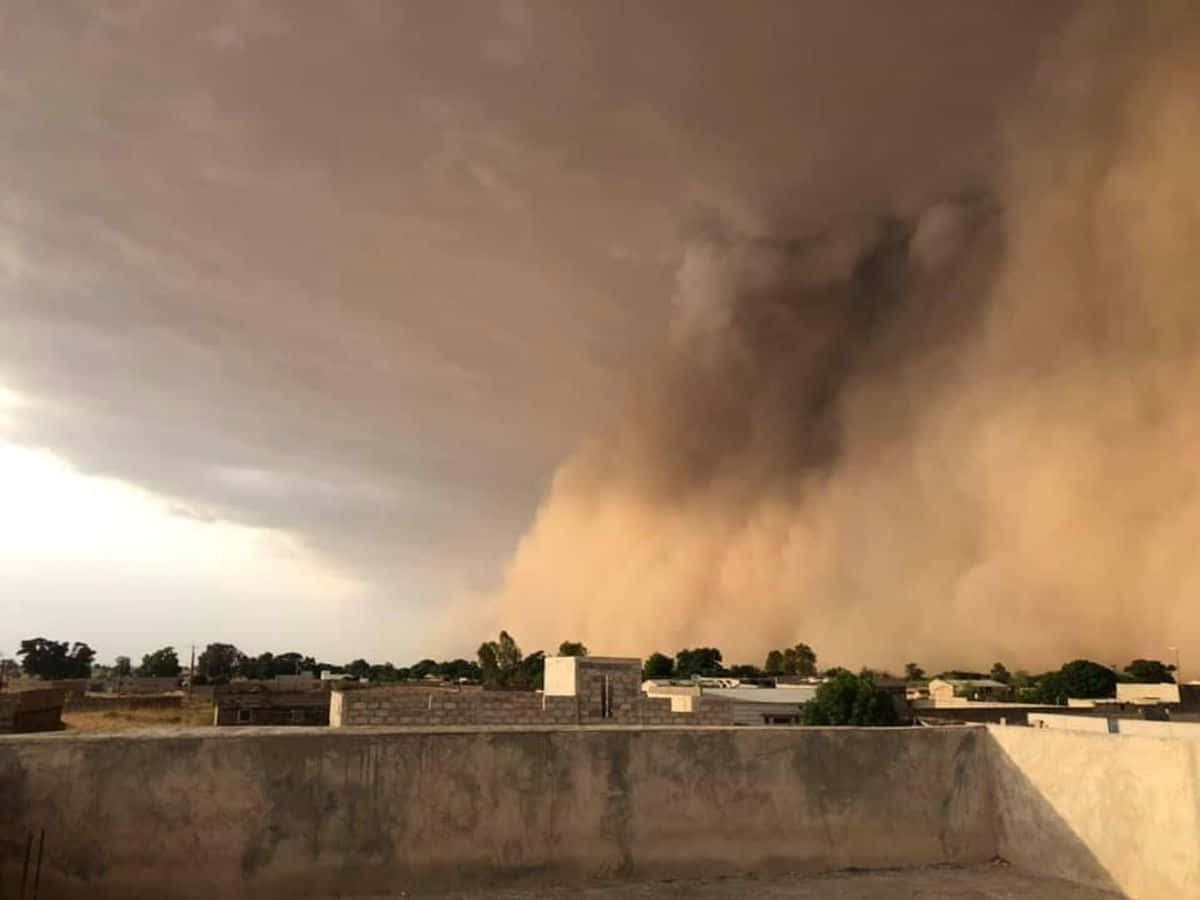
913	672
848	699
572	648
359	668
875	674
163	663
800	660
459	670
423	669
500	661
698	661
774	663
49	660
658	665
219	661
290	663
1000	673
255	667
1078	678
1084	678
745	671
1150	671
531	672
123	667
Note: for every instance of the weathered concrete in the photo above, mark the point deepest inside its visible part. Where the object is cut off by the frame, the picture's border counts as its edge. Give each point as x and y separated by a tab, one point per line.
930	883
311	812
1113	811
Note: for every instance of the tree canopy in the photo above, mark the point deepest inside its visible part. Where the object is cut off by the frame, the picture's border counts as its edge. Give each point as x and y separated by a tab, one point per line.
572	648
913	672
162	663
219	661
502	665
797	660
848	699
1078	678
698	661
1150	671
47	659
1000	673
122	666
658	665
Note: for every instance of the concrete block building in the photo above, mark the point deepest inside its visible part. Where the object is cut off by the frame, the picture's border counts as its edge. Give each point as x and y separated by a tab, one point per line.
262	704
578	691
27	711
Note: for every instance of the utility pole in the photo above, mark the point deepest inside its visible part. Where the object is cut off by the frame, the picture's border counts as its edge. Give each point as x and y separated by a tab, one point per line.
1178	671
192	670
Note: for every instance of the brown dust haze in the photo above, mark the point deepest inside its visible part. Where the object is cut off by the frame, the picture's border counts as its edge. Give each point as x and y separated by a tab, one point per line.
968	435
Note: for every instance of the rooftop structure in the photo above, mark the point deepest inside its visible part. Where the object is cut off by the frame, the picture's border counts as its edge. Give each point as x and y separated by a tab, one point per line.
1147	693
948	689
268	703
501	811
26	711
577	690
752	704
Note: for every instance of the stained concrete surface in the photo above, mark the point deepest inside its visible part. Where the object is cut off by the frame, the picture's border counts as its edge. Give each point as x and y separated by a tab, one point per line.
289	813
1117	812
989	882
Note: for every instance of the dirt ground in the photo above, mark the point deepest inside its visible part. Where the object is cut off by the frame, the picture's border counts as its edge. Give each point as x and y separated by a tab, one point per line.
189	715
991	882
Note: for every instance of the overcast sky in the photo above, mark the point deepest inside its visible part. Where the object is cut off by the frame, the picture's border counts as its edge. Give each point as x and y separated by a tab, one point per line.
303	302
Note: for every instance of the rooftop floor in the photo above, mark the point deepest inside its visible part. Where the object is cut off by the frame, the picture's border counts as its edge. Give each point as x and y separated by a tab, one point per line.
989	882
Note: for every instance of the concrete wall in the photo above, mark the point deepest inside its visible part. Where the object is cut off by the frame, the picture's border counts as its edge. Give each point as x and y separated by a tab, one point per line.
1102	724
1113	811
141	684
304	813
1148	693
27	711
109	702
385	705
71	687
240	705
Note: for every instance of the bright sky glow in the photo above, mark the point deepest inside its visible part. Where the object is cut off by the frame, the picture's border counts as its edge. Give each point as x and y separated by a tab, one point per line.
111	544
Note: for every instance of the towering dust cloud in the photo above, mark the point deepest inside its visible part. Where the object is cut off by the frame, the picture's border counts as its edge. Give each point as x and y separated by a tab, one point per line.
965	435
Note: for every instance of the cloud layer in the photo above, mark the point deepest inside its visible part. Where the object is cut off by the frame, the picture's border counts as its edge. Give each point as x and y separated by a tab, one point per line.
364	273
954	436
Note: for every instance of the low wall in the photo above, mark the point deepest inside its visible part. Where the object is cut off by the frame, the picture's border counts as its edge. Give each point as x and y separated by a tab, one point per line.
405	706
141	684
110	702
27	711
1116	812
1117	725
71	687
305	813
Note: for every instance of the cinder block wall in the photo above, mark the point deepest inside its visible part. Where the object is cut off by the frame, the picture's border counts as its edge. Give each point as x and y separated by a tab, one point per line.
404	705
383	706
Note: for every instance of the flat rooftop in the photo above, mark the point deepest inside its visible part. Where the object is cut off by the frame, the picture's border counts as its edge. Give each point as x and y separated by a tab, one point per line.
990	882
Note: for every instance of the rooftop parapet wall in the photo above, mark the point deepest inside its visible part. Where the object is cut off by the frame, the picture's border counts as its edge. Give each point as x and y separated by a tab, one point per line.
310	813
1112	811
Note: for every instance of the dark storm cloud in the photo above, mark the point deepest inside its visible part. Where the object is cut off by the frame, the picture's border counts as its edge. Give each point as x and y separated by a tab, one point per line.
367	271
962	435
